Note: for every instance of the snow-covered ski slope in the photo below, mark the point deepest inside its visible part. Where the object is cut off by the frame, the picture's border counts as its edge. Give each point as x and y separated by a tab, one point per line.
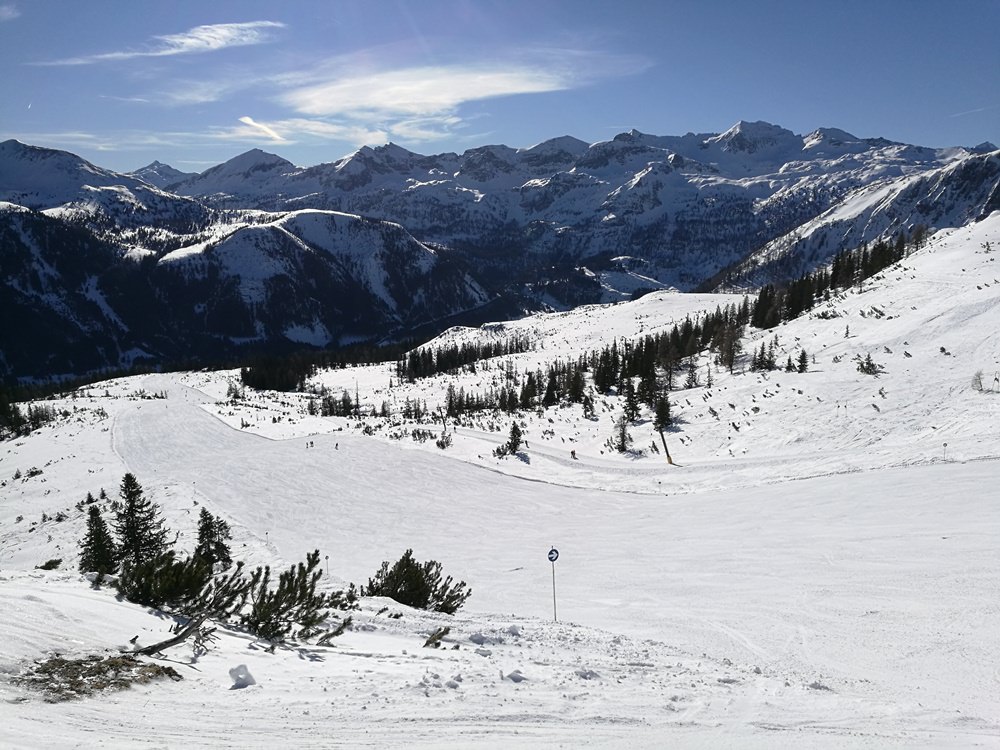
826	575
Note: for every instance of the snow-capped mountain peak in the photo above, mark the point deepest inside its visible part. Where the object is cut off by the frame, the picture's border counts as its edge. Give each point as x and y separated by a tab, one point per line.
753	137
161	175
565	144
251	168
254	160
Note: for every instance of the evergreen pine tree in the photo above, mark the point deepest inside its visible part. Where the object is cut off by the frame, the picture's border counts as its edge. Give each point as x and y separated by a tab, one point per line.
692	376
576	386
293	609
418	585
142	537
646	392
670	370
789	366
551	397
631	407
97	549
514	441
868	366
529	391
213	533
622	440
164	582
803	361
663	418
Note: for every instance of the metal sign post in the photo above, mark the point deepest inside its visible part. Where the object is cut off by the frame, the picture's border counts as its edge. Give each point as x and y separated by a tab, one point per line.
553	556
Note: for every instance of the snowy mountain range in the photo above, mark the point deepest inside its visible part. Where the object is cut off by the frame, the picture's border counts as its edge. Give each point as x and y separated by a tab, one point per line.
257	252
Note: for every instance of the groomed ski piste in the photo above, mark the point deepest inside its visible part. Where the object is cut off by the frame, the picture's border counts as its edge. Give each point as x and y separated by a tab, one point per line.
818	568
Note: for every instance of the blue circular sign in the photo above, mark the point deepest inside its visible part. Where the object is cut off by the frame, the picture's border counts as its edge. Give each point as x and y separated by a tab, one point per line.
553	554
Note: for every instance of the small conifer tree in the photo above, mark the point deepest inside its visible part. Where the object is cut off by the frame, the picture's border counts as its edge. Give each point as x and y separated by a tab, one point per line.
97	549
662	420
692	376
551	397
514	441
142	536
868	366
631	406
803	361
771	362
621	440
293	609
646	392
213	533
418	585
576	387
164	582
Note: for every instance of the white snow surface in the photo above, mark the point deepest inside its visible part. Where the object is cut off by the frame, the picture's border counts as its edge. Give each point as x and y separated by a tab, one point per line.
823	576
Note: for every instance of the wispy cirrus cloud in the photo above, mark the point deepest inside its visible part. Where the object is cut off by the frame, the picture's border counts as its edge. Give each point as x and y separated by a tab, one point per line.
198	40
296	129
419	91
262	128
349	99
424	103
187	92
975	111
8	12
127	99
410	104
104	141
425	129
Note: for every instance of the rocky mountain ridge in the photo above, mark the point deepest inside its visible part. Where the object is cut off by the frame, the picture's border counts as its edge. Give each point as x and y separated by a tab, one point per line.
259	253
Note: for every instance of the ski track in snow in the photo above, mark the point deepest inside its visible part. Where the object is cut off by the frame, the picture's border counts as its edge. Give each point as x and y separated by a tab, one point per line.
716	603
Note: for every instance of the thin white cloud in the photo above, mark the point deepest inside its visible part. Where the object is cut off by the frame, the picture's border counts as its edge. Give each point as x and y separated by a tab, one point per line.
425	129
336	100
203	92
66	140
194	41
290	132
357	134
419	92
9	12
127	140
130	99
296	129
974	111
262	128
424	103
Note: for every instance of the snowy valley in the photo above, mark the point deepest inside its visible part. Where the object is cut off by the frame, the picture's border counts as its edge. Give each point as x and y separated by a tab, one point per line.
817	567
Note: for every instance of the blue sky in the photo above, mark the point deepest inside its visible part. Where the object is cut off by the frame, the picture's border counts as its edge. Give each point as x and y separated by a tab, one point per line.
195	83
